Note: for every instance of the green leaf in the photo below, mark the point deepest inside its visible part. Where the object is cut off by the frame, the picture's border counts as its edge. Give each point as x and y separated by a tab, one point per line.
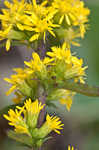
83	89
16	35
22	138
47	138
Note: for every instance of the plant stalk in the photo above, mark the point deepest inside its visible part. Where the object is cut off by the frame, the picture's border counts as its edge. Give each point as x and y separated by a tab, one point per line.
42	114
41	91
42	49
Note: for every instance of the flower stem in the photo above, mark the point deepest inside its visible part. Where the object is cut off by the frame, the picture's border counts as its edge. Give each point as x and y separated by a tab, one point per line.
42	114
41	91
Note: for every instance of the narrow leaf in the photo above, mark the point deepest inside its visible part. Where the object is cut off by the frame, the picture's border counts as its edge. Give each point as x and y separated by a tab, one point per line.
22	138
83	89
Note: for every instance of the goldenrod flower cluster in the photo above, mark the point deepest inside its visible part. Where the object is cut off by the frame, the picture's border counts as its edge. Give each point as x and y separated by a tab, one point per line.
18	81
73	12
30	21
39	24
60	66
25	119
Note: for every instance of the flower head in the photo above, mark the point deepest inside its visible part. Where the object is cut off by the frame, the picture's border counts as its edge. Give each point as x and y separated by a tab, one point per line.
35	64
52	123
60	53
32	110
19	20
70	66
12	16
64	8
18	80
25	80
67	98
17	120
39	9
45	25
24	117
73	12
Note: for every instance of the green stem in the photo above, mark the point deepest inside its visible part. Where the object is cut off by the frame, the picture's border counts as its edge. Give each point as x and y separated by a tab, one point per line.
83	89
42	99
41	92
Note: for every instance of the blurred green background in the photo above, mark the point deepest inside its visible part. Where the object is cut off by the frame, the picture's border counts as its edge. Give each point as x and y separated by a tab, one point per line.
82	122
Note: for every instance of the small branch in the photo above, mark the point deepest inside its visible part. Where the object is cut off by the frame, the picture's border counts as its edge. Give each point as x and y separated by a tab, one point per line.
83	89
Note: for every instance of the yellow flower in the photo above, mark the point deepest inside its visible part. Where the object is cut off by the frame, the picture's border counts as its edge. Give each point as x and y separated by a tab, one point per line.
42	27
47	61
70	36
65	9
64	96
18	80
81	16
60	53
12	16
4	35
39	9
23	79
67	99
16	119
73	67
21	18
73	12
39	13
52	123
39	67
76	70
35	64
14	80
24	117
33	109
